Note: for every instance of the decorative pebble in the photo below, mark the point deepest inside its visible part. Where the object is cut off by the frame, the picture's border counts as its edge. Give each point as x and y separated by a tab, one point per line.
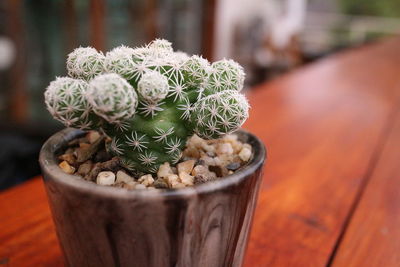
201	170
224	148
164	170
123	177
202	161
105	178
68	157
85	168
160	183
220	171
186	166
207	148
186	178
92	136
196	141
245	154
208	160
146	180
172	180
233	166
66	167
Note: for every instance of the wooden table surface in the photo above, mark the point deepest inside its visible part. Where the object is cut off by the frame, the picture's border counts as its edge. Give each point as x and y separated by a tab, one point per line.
330	195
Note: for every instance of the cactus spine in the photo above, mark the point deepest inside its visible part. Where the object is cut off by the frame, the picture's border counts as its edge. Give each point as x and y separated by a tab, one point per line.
148	100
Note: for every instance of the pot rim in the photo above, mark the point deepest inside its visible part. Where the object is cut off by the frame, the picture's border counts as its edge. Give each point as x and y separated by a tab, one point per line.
51	171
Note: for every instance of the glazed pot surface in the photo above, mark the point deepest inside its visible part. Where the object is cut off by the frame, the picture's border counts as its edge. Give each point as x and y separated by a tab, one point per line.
203	225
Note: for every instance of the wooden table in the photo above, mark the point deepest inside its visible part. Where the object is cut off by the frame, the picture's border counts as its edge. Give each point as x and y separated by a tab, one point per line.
331	191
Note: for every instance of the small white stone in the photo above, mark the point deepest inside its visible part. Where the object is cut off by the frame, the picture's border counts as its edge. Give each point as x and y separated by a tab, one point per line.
208	160
164	170
172	180
245	154
105	178
123	177
146	180
237	146
203	171
247	146
196	141
92	136
224	148
230	138
186	166
186	178
66	167
218	161
208	148
191	152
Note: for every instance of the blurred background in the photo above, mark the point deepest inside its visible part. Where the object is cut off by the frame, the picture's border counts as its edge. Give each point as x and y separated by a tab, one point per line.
268	37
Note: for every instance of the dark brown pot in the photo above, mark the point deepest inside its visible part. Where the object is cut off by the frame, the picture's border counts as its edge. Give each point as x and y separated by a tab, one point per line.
204	225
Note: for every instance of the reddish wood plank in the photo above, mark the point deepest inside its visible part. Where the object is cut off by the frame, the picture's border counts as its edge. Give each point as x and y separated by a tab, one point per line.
321	125
373	236
27	235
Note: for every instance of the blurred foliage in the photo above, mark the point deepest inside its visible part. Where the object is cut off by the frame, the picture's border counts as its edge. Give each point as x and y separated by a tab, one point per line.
385	8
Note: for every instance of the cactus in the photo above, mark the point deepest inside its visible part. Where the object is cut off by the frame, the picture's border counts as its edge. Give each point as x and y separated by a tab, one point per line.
148	100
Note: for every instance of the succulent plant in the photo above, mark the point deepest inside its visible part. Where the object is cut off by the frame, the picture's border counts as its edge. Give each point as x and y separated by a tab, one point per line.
148	100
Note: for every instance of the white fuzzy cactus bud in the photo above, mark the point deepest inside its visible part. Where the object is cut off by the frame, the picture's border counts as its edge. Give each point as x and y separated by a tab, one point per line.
85	63
140	53
160	48
197	70
112	97
153	86
220	113
66	102
225	75
181	57
120	61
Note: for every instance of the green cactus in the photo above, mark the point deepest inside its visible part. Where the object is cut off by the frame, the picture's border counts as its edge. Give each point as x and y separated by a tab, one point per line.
148	100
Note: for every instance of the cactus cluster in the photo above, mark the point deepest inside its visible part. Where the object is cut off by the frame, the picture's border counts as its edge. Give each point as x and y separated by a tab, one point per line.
148	100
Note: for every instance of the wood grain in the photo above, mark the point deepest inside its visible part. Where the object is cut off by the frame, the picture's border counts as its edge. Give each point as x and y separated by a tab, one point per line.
373	236
27	234
321	126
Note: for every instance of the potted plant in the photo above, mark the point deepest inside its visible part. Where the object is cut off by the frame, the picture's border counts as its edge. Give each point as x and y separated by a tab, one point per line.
148	101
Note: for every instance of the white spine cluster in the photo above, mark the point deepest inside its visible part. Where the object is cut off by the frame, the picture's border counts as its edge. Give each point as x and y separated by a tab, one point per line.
160	48
198	69
226	75
181	57
65	101
153	87
120	61
220	113
112	97
85	63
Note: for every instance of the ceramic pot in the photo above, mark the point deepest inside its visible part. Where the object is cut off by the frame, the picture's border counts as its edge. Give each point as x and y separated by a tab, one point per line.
204	225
